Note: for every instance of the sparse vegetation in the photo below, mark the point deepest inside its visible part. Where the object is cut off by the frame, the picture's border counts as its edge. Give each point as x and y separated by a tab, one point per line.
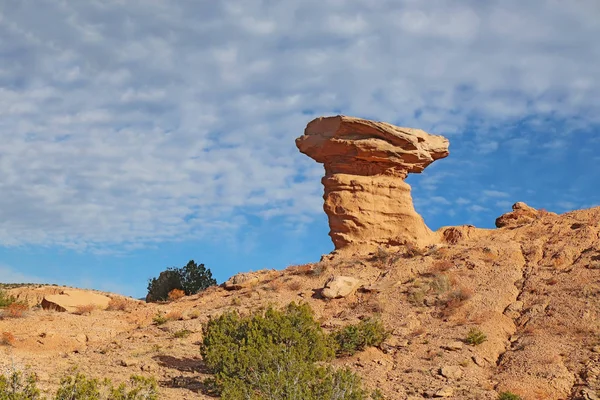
508	396
175	294
357	337
174	316
118	304
19	386
191	279
5	299
475	337
159	319
274	355
181	334
15	310
7	339
84	309
23	386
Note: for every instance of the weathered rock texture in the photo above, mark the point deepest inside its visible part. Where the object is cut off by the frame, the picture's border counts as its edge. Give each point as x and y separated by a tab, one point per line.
366	199
70	300
522	214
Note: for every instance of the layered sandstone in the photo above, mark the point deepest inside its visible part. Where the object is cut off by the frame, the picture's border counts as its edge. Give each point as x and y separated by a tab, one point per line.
367	201
521	214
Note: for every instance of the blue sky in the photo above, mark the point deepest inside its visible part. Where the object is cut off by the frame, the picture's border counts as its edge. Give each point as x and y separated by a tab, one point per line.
137	135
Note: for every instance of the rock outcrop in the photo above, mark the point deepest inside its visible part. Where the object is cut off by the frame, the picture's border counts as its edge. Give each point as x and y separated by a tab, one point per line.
521	214
367	201
70	300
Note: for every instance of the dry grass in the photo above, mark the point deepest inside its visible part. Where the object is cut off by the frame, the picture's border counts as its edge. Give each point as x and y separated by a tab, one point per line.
7	339
294	285
176	294
84	309
173	316
15	310
275	285
440	266
118	304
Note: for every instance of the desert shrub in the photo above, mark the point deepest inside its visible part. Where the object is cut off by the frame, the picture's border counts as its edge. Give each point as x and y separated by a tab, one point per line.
475	337
118	304
356	337
175	294
377	395
181	334
508	396
274	355
5	299
77	386
7	339
84	309
139	388
15	310
174	316
19	386
441	283
159	319
192	278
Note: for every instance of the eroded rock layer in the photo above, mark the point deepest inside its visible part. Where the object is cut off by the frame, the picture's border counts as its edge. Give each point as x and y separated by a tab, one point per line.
366	199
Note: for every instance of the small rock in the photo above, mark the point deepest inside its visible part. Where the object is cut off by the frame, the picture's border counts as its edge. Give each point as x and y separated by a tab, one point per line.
479	361
148	367
596	349
128	362
446	391
81	338
453	346
451	372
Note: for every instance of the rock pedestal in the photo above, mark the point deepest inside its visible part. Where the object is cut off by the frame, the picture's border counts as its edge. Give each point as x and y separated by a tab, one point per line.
366	199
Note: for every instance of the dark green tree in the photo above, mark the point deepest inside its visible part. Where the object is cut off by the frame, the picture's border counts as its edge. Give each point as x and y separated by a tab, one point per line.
192	279
195	278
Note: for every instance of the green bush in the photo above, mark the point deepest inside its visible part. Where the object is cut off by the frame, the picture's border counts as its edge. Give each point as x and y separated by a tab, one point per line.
19	386
5	299
159	319
192	279
508	396
353	338
475	337
273	355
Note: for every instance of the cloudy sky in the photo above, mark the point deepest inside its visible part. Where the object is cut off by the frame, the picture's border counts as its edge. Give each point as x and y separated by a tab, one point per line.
140	134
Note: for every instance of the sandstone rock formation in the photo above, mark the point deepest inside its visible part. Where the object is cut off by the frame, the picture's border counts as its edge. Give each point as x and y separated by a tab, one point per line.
521	214
366	199
70	300
247	279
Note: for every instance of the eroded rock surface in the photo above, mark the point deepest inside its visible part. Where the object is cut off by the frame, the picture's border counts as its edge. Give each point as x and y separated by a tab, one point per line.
366	199
70	300
520	215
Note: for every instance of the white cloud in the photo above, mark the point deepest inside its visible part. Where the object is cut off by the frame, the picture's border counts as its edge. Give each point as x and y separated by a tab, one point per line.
495	193
135	122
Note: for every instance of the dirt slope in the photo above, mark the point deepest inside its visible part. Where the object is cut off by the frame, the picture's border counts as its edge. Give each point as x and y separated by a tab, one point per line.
533	290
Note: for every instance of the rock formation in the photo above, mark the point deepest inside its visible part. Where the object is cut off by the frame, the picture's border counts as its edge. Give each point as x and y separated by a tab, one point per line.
521	214
70	300
366	199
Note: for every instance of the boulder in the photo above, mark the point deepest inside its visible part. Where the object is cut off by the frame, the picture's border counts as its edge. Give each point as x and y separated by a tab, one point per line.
340	286
367	201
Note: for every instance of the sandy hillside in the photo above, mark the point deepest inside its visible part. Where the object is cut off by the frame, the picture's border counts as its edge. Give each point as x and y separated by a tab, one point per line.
533	290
